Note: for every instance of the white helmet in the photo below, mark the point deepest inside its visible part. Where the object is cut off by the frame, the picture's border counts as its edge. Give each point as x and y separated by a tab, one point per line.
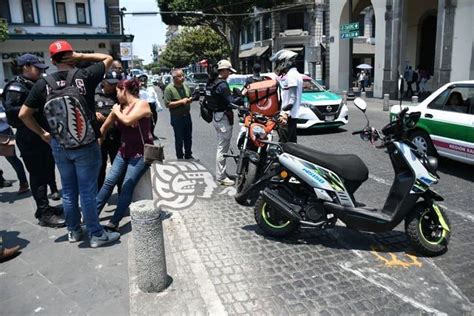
284	59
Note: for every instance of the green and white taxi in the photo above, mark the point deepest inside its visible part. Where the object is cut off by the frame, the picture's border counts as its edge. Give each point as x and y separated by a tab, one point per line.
446	125
320	108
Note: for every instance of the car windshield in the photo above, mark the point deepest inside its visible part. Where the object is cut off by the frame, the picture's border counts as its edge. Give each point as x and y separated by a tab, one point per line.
309	85
200	77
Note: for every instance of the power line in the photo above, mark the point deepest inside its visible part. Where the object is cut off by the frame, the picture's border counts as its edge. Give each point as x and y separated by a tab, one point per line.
200	13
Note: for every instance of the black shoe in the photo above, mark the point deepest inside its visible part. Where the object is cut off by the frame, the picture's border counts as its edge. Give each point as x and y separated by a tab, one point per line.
49	219
191	158
55	196
57	210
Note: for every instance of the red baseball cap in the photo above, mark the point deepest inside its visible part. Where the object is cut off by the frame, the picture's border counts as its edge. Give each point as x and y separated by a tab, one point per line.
59	47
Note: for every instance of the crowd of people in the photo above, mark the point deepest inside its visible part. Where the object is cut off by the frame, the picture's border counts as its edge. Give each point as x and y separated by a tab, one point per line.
86	114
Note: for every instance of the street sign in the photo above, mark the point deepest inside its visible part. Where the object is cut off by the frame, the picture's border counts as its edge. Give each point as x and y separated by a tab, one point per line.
126	51
349	30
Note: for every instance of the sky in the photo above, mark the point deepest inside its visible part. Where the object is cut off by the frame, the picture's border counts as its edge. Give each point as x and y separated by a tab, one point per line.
148	30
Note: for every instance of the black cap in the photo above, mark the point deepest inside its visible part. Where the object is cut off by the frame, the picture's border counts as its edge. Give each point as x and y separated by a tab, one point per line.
257	68
29	59
113	77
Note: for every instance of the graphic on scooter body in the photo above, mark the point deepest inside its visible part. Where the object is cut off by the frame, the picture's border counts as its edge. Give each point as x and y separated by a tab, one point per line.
312	188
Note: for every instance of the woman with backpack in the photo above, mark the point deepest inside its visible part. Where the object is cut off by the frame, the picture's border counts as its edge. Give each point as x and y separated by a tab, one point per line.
132	118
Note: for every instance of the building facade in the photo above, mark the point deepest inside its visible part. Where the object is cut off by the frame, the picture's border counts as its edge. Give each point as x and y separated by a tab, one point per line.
301	28
89	25
435	35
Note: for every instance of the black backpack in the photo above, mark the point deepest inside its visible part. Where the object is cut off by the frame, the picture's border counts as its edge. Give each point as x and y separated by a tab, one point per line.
211	101
69	118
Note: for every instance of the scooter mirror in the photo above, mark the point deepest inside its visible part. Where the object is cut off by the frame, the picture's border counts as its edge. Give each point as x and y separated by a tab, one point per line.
360	104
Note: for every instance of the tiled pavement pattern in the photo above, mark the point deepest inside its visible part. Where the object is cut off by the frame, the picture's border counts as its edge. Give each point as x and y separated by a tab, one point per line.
216	245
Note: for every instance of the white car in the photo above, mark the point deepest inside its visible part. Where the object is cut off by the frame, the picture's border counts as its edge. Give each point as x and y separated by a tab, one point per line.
320	108
446	125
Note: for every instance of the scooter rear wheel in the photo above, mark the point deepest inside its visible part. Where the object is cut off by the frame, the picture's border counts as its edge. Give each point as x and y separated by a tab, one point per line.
272	222
425	230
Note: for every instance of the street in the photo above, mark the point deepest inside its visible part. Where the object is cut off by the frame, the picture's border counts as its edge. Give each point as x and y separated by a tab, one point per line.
220	260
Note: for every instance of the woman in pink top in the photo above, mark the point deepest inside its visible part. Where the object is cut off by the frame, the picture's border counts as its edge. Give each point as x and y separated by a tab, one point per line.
132	118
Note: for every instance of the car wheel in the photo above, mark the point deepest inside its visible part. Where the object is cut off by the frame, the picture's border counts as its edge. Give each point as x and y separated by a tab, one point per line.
423	141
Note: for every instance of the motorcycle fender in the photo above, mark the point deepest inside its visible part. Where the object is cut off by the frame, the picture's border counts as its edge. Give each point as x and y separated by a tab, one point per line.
440	217
433	195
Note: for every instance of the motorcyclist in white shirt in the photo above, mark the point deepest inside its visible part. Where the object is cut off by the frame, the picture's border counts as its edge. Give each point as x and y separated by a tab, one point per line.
291	84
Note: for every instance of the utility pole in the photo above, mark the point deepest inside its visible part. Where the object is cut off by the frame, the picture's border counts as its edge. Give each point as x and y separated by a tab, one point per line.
350	92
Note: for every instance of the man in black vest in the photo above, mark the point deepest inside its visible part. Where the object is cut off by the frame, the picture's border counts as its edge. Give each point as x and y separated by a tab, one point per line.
36	154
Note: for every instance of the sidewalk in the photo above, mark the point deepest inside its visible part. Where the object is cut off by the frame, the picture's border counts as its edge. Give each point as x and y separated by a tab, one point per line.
52	276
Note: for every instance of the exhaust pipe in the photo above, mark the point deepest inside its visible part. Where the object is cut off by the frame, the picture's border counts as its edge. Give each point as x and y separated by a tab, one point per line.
281	205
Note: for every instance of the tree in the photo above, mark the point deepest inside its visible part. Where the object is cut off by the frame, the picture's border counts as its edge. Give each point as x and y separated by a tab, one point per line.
228	27
192	45
3	30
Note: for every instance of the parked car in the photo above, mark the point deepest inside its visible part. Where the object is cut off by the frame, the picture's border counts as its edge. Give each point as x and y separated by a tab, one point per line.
320	108
200	78
446	125
237	81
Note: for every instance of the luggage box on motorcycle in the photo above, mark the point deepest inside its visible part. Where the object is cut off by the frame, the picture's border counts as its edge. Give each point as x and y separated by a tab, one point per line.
263	97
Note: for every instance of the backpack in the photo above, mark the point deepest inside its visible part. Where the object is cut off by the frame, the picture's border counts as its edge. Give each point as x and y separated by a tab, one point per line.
206	113
69	118
210	103
263	97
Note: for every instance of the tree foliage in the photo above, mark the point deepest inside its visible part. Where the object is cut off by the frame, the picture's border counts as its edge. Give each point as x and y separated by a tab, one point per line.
3	30
228	27
192	45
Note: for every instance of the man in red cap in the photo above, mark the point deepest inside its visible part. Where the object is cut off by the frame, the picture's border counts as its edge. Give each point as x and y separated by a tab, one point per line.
69	118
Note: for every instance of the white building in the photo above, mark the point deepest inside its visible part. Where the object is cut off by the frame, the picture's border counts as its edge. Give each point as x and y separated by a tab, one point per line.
89	25
436	35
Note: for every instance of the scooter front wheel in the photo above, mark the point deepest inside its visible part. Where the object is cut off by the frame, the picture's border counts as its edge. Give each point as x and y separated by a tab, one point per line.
271	222
428	229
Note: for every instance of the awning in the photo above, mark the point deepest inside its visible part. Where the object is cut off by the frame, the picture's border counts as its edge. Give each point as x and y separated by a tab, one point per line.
255	51
247	53
296	49
261	50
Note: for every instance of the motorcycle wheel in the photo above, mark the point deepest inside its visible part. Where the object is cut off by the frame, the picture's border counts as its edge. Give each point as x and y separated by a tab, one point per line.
424	230
271	222
249	172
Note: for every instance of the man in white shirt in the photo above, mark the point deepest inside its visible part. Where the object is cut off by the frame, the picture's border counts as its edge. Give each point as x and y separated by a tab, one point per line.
149	94
291	83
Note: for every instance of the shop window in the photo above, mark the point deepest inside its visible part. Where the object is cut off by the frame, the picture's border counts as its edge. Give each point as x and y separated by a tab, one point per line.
61	13
249	33
5	11
28	15
81	13
295	21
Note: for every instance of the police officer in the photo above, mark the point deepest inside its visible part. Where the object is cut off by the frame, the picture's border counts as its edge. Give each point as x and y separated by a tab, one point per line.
149	95
219	98
105	98
36	154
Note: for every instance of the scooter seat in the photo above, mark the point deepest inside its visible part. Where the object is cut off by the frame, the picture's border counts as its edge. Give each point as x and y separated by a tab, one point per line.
349	167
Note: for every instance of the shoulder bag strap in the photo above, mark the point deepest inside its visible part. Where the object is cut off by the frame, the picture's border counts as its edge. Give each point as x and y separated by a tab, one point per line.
51	82
70	76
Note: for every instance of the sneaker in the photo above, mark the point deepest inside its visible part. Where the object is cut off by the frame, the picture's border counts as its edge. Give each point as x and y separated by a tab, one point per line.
75	235
104	239
111	227
50	219
55	196
8	253
226	182
24	187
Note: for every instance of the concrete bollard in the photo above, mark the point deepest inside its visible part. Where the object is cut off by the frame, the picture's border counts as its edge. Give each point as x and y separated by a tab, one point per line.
414	99
386	102
344	96
363	95
150	258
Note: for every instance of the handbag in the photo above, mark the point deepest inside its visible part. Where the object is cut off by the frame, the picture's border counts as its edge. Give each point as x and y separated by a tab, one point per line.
152	152
7	145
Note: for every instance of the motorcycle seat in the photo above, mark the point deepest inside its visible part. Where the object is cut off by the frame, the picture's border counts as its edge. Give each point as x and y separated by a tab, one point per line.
349	167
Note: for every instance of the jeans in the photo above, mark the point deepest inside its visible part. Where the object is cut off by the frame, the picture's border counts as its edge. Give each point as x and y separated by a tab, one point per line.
79	169
133	169
109	149
15	162
183	129
224	135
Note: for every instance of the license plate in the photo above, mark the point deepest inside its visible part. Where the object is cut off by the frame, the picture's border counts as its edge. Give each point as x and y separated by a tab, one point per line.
330	118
